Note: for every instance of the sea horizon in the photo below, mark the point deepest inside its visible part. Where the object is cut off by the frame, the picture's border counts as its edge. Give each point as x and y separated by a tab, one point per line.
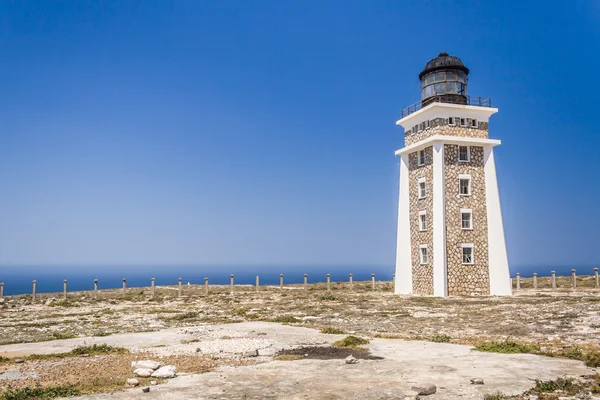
18	279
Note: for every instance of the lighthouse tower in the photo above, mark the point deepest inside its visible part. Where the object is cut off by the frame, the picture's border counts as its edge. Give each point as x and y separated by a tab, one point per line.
450	232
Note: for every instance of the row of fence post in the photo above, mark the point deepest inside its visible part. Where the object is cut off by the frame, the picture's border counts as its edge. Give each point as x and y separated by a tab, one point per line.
553	279
206	288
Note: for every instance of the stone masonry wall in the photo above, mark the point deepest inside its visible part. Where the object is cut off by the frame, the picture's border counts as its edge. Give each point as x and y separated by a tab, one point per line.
466	279
422	274
439	126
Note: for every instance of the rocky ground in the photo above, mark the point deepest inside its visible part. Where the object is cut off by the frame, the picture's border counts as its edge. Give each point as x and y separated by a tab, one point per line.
556	321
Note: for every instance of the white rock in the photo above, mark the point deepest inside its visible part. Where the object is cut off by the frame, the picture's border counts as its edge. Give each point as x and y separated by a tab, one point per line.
132	382
476	381
153	365
168	371
153	383
143	372
350	360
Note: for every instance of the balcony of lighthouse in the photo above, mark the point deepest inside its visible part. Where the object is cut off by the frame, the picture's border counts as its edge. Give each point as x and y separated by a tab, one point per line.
449	99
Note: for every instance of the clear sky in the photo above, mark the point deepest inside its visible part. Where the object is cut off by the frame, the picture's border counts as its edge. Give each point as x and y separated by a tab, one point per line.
238	132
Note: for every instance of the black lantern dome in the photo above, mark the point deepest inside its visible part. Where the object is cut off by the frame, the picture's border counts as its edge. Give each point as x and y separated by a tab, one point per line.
444	79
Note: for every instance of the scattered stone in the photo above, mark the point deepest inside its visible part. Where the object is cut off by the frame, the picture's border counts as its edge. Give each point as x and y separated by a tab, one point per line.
411	396
19	361
351	360
153	365
132	382
168	371
476	381
252	353
146	389
85	355
198	350
424	389
143	372
153	383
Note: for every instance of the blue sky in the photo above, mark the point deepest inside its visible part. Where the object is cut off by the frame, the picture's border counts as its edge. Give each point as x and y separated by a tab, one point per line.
242	132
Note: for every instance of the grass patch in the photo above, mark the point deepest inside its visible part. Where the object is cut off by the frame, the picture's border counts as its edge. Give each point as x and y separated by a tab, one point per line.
285	319
37	392
62	303
507	347
495	396
441	339
351	341
327	297
101	334
64	335
93	350
184	316
332	331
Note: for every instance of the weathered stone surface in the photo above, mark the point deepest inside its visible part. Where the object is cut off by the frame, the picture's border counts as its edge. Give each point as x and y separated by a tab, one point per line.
252	353
132	382
424	389
168	371
351	360
422	278
153	365
476	381
143	372
474	278
440	126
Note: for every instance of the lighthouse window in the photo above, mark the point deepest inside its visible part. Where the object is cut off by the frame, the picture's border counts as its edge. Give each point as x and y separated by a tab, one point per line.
463	153
464	185
451	121
474	123
422	220
467	253
463	122
421	157
423	254
427	124
422	188
466	217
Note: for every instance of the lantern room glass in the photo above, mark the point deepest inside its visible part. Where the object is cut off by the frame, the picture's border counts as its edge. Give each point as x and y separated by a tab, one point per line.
442	82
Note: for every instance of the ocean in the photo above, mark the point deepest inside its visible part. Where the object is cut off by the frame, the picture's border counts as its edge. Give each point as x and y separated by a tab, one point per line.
17	279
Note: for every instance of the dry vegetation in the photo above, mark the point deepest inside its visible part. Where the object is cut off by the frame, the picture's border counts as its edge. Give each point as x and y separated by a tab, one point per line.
562	323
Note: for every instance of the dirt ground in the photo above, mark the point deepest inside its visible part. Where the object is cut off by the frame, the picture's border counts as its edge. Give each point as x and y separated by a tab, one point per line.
554	320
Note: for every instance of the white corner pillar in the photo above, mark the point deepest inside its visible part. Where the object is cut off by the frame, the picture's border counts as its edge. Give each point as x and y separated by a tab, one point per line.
403	281
498	259
440	270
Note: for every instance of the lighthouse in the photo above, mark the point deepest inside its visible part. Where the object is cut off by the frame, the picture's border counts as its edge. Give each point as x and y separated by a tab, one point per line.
450	237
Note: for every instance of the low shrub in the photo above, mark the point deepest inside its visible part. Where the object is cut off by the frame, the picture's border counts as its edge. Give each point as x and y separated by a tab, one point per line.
332	331
507	347
286	319
351	341
37	392
441	339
